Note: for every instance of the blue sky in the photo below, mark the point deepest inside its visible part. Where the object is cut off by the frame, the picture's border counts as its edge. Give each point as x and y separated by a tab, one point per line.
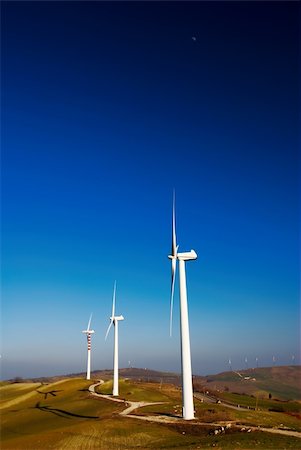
106	107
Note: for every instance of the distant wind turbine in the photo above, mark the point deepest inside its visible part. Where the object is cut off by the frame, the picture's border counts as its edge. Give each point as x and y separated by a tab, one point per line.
246	361
114	320
88	333
230	364
256	361
187	389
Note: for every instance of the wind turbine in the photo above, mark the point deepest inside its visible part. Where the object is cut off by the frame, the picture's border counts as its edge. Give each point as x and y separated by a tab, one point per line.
88	332
230	364
187	390
114	320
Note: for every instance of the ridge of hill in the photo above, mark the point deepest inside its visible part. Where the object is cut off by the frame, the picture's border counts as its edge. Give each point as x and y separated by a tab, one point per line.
281	382
138	374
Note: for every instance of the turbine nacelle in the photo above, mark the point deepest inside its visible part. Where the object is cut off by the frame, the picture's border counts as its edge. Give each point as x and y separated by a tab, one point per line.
185	256
87	331
112	319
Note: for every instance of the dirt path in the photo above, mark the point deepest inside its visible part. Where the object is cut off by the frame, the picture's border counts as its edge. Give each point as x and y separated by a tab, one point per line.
205	398
131	406
284	432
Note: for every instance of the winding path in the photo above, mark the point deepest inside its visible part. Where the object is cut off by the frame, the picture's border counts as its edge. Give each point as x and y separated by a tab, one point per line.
131	406
207	399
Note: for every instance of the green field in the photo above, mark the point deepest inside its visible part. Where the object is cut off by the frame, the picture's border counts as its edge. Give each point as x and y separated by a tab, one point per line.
282	382
139	391
260	403
63	415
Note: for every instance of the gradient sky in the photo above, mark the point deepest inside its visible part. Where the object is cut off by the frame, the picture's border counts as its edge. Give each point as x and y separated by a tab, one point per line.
106	107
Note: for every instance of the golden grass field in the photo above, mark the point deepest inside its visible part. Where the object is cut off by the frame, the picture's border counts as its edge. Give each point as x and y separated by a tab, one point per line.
64	415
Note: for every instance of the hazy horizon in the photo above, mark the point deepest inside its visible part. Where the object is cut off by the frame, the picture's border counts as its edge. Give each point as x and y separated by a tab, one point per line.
23	370
27	375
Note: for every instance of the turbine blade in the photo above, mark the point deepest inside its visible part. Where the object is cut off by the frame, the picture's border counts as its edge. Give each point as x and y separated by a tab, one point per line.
108	330
173	278
174	238
114	299
89	323
174	251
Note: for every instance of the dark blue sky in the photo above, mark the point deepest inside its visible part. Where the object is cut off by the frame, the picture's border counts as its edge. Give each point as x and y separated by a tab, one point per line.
108	106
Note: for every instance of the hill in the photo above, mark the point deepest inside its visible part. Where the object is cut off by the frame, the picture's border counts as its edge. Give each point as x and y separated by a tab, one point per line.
64	415
138	374
281	382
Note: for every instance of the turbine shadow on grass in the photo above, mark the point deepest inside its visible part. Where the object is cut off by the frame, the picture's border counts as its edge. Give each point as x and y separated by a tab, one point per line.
176	416
62	412
53	393
165	414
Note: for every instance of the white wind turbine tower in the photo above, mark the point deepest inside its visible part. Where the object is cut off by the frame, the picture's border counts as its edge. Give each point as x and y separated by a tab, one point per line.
114	320
187	390
88	332
230	364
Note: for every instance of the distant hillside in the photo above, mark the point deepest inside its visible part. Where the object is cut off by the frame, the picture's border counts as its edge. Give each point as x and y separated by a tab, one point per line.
147	375
151	375
282	382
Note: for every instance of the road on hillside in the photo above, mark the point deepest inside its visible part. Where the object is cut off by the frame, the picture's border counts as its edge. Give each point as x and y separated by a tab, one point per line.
208	399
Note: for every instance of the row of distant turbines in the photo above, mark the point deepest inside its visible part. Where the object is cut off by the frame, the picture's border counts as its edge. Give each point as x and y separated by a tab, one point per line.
274	360
175	256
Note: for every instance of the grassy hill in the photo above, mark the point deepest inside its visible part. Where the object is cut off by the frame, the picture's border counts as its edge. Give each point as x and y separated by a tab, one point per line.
281	382
62	415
